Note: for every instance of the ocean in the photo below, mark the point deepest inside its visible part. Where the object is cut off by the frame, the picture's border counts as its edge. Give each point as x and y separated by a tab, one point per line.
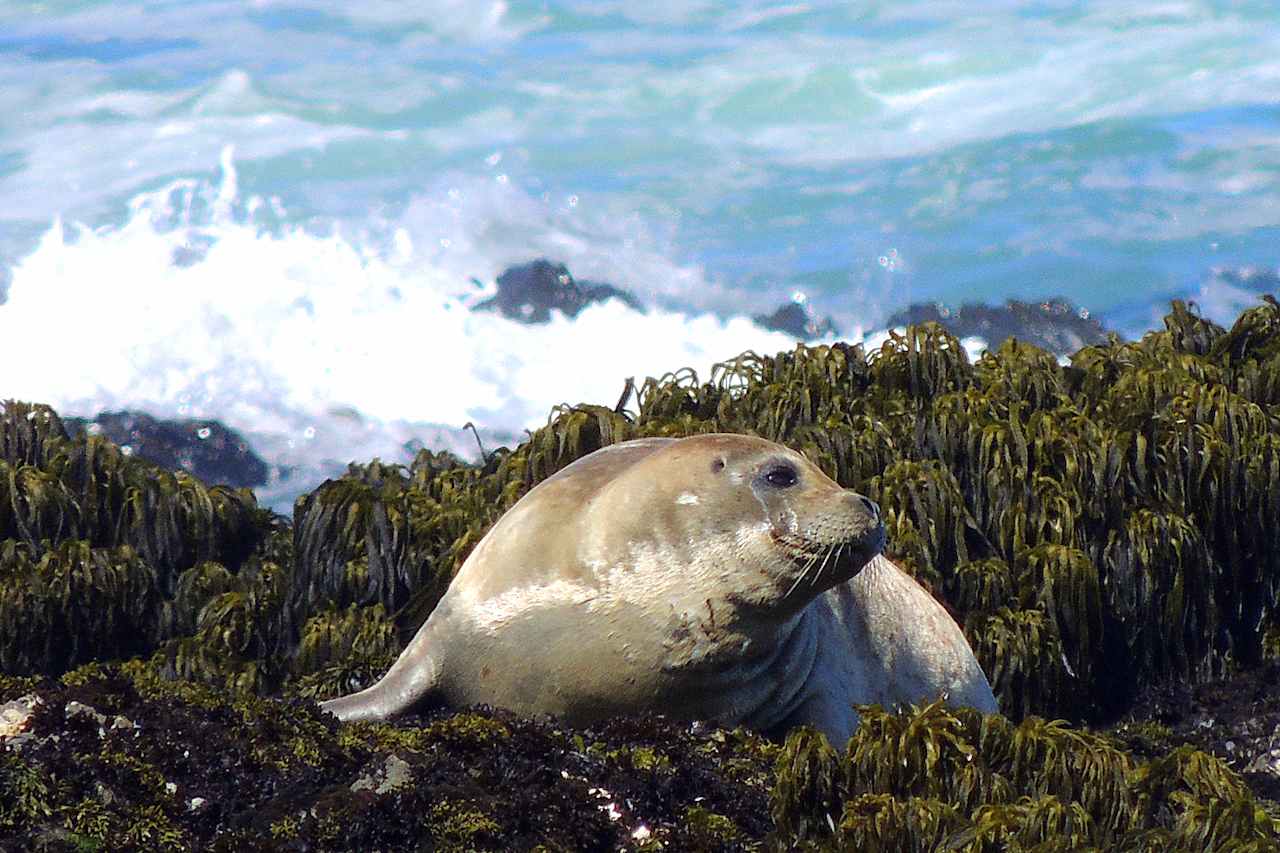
281	214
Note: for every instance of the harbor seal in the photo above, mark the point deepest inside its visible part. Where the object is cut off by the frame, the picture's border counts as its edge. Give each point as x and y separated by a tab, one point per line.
716	577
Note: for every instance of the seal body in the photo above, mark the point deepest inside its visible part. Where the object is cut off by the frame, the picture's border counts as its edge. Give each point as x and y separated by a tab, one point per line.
717	577
884	640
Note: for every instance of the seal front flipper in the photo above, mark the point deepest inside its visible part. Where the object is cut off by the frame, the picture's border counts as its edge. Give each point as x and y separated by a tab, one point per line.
412	679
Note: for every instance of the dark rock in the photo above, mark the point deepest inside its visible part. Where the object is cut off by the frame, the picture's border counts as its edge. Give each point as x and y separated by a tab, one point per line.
1235	718
529	293
1259	279
796	320
206	449
209	769
1054	325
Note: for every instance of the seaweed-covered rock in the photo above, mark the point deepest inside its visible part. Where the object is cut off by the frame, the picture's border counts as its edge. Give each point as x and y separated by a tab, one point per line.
1129	500
73	604
1100	529
1236	719
29	434
387	536
123	761
114	758
95	545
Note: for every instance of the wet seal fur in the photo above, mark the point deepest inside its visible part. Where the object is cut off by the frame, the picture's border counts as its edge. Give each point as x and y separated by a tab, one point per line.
717	577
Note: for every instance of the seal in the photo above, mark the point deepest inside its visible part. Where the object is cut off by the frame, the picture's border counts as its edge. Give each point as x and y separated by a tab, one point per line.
717	577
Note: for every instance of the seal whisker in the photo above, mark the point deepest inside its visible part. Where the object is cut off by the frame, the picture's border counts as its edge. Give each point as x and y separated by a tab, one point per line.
825	553
811	560
822	569
799	578
831	549
817	573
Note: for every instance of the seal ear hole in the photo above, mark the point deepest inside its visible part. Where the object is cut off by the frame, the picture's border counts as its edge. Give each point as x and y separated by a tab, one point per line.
717	466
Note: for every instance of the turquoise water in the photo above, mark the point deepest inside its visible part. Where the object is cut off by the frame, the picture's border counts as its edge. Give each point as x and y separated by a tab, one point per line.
1104	151
202	172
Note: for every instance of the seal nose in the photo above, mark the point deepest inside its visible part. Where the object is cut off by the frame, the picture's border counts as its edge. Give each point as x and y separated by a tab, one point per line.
872	508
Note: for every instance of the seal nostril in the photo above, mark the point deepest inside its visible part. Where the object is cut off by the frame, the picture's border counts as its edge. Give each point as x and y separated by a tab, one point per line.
871	506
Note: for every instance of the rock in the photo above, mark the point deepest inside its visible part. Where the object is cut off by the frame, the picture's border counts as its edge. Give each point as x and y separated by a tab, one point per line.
1236	718
206	449
1054	325
795	319
394	773
15	720
1259	279
75	709
105	795
529	293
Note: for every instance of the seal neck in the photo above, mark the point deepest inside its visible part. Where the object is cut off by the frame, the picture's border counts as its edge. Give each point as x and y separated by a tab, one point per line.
780	677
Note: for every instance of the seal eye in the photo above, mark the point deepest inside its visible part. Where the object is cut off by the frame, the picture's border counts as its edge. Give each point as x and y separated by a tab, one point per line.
781	476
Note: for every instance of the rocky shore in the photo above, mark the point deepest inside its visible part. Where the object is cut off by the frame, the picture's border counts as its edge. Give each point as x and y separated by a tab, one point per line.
528	293
1107	532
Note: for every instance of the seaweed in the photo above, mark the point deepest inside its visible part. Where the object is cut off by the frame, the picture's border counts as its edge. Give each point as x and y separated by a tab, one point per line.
1099	528
934	778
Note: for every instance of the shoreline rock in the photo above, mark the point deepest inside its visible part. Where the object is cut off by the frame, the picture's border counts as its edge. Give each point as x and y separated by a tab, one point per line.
137	760
530	292
796	320
206	449
1053	324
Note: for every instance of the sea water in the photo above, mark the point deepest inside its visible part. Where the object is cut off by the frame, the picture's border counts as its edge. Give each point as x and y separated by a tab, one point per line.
281	214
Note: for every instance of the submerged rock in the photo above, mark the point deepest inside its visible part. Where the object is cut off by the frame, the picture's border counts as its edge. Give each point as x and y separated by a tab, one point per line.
1054	324
530	292
1257	279
207	449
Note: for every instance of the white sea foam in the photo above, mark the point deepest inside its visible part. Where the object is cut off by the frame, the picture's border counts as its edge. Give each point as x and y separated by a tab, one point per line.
320	349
